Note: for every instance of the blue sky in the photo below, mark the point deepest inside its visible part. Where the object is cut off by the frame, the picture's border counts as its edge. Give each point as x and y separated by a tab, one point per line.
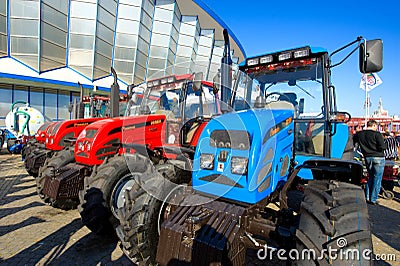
266	26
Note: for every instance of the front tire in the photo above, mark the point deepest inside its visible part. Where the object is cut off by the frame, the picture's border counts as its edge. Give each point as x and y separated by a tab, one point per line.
104	189
139	217
334	215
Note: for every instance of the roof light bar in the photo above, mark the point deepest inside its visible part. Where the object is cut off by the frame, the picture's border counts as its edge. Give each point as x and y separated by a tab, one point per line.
279	57
162	81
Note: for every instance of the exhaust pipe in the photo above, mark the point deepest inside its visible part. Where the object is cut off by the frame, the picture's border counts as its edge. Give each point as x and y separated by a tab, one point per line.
114	96
226	76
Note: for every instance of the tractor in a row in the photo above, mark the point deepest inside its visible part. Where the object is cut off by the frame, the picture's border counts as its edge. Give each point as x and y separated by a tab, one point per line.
62	134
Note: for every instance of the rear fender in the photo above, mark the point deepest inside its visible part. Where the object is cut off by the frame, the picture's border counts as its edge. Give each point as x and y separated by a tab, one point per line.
332	169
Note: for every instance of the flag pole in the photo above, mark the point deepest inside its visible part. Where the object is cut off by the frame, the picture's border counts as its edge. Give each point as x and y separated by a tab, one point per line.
366	100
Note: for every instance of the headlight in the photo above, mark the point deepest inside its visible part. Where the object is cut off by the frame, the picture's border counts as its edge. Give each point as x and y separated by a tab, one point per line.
88	146
51	141
239	165
207	161
47	140
80	146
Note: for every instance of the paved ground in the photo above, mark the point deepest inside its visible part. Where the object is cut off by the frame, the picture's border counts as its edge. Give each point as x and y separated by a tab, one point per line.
32	233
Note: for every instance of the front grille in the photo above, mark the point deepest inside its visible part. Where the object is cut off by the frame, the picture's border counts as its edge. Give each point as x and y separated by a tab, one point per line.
221	179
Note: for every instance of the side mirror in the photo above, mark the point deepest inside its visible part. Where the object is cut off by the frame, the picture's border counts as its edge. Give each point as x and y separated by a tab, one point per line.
198	77
371	56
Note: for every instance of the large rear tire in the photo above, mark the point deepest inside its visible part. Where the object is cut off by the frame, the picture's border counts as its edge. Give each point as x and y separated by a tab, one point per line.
58	160
139	217
334	216
104	189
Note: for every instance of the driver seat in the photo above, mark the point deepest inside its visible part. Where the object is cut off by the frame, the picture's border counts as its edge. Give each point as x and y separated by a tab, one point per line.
280	105
285	102
289	97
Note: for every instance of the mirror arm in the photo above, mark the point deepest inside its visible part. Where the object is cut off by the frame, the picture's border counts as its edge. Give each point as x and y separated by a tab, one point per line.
344	59
359	38
342	48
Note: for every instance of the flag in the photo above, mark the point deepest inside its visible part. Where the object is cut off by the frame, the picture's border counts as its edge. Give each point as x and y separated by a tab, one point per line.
373	81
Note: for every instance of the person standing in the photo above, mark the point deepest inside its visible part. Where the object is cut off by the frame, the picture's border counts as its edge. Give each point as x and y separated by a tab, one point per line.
372	147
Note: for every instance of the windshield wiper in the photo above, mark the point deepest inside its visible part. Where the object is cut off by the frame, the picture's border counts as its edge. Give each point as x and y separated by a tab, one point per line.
309	94
269	86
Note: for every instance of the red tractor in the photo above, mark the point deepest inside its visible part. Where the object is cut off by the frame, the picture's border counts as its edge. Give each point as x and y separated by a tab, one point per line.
174	112
60	142
38	142
58	136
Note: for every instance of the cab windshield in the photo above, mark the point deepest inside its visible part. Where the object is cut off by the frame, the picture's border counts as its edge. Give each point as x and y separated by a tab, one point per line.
178	99
296	82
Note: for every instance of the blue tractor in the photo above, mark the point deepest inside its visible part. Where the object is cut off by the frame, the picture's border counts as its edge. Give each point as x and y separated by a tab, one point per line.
273	174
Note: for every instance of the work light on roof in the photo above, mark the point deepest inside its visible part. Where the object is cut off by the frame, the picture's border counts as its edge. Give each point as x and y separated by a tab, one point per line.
284	56
252	62
164	81
301	53
266	59
171	79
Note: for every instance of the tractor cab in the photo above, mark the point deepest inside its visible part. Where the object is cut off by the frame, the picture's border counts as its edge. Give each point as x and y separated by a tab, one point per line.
186	101
298	79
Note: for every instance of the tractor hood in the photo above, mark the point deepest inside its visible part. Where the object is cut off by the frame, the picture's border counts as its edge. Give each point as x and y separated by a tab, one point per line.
103	138
243	155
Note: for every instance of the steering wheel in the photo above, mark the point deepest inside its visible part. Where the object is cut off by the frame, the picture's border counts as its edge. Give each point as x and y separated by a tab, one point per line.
277	93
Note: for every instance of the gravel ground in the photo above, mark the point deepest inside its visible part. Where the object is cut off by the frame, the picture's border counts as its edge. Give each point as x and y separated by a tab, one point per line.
32	233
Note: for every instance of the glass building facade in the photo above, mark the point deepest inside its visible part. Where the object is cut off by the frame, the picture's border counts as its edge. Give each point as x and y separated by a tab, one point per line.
54	39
